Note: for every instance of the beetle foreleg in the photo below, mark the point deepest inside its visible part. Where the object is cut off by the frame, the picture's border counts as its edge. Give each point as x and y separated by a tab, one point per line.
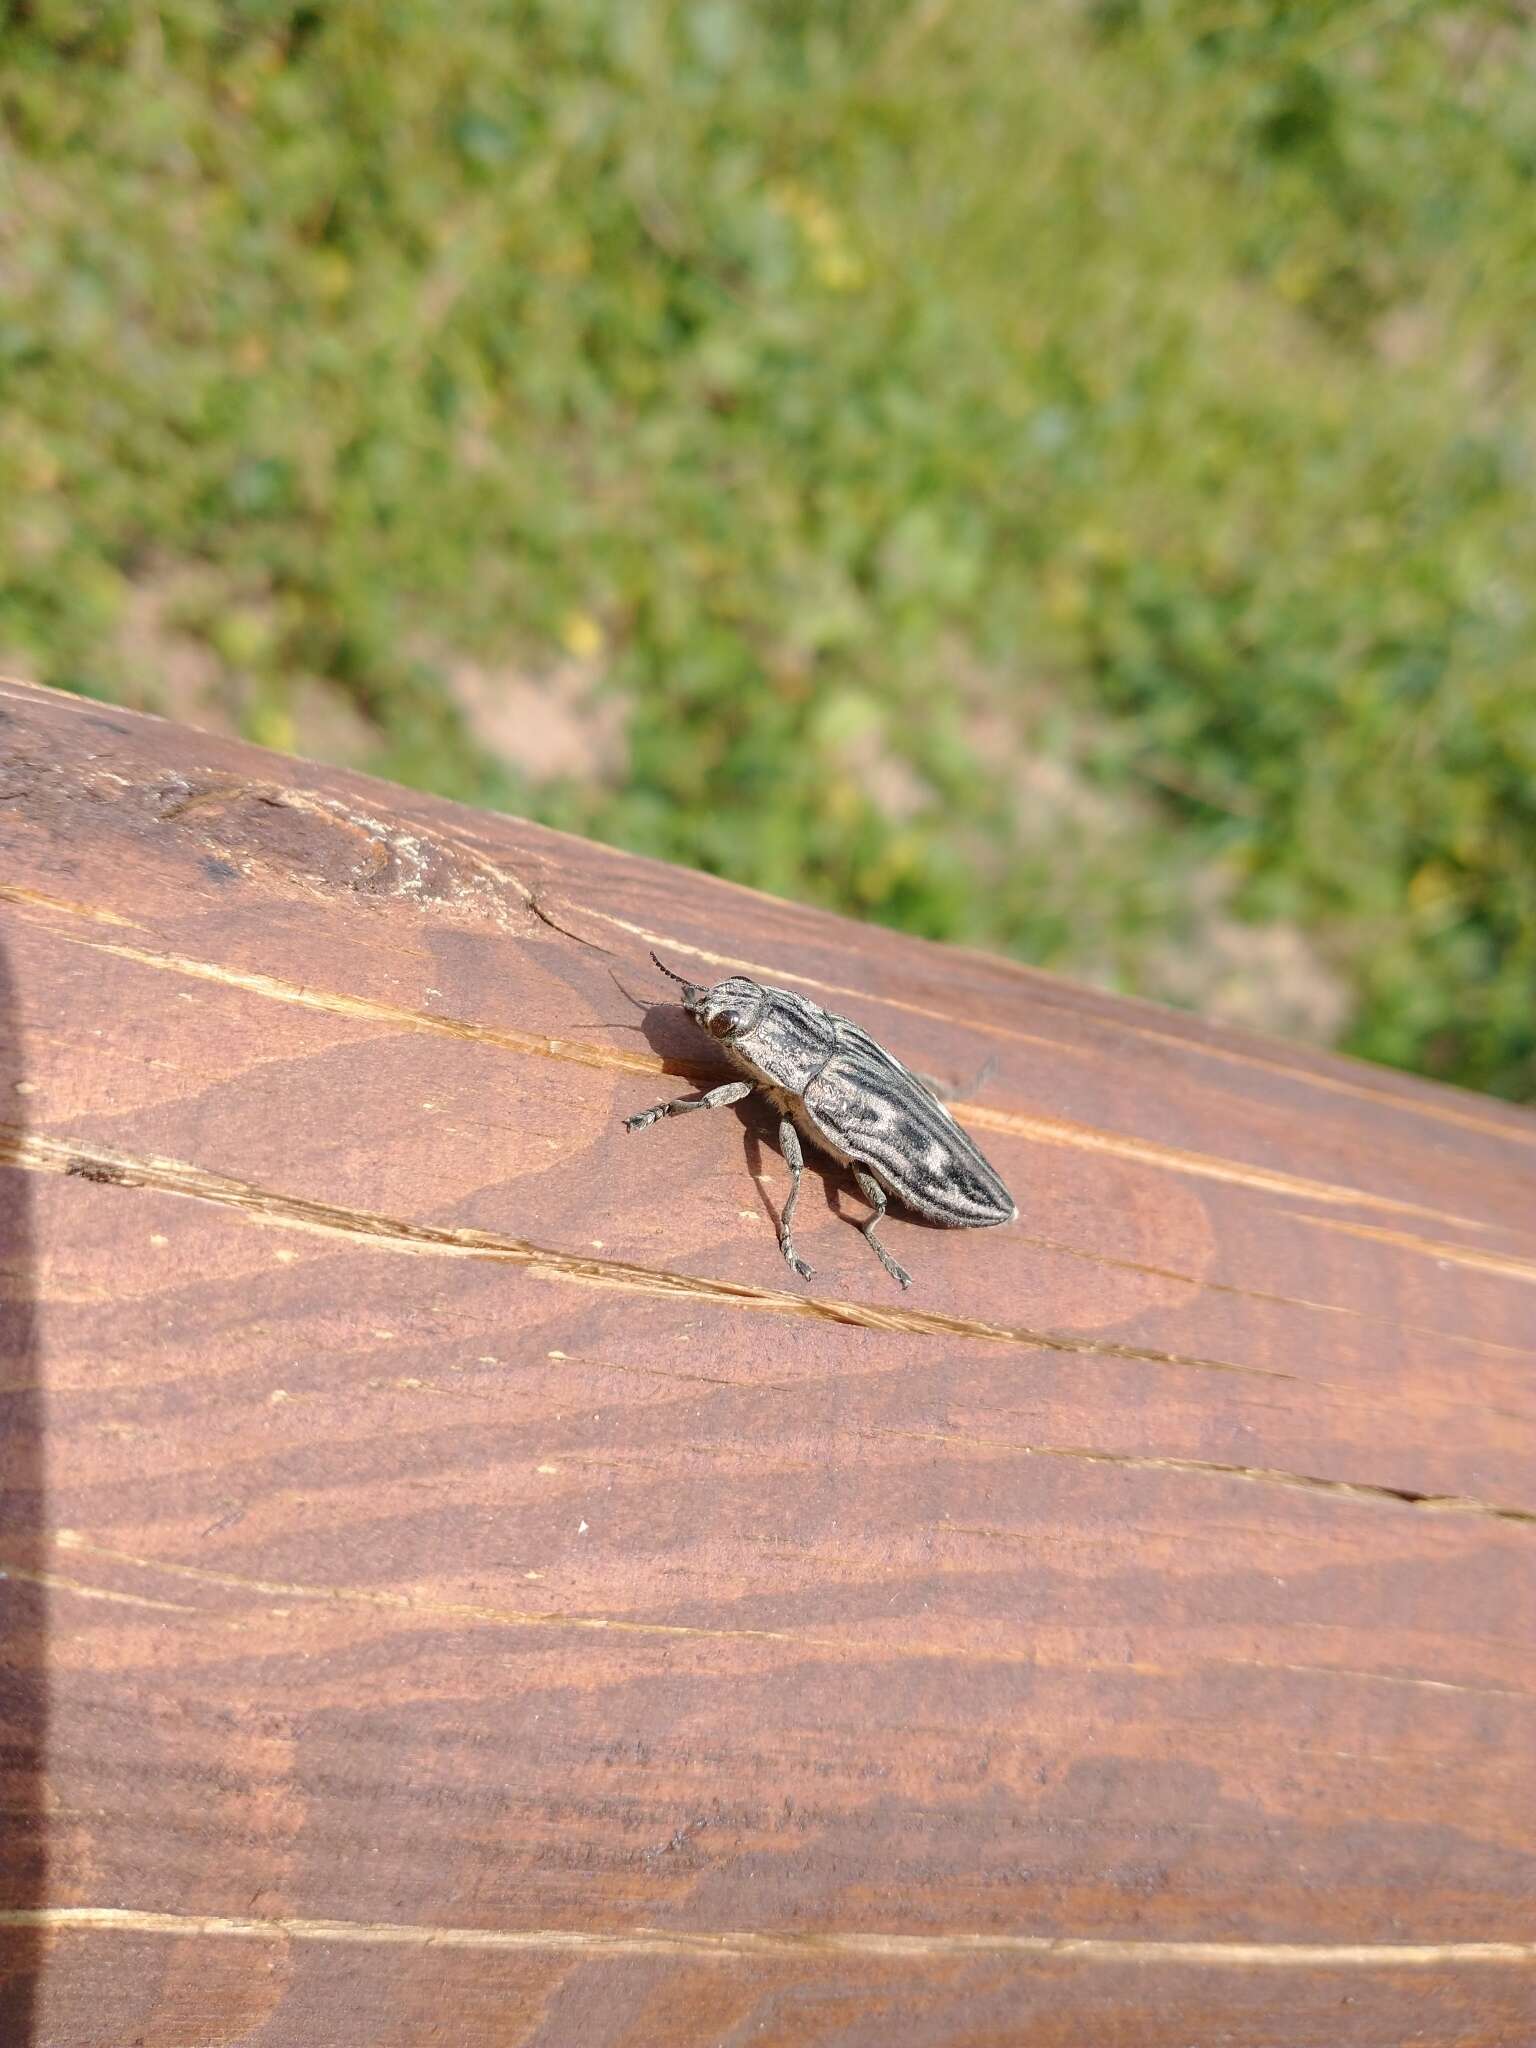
872	1192
717	1098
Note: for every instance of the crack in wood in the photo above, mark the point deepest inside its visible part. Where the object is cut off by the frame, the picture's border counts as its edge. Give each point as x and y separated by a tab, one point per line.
19	690
1059	1132
405	1603
75	1160
1257	1475
1414	1106
1328	1308
1481	1692
34	1153
64	906
380	1600
1506	1264
53	1582
397	1016
750	1943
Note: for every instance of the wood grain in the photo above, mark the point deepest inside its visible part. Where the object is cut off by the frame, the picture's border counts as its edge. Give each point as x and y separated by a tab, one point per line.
458	1589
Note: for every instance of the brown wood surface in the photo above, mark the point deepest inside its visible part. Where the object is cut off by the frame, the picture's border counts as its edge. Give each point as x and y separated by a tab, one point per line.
458	1589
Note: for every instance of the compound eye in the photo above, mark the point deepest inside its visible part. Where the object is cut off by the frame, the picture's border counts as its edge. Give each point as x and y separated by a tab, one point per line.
721	1023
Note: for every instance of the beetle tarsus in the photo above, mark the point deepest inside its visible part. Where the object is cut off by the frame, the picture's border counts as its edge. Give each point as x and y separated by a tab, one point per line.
872	1192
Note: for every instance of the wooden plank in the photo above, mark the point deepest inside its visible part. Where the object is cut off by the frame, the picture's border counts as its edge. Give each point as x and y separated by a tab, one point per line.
459	1588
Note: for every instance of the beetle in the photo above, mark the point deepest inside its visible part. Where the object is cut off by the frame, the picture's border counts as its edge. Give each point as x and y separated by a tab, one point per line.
829	1080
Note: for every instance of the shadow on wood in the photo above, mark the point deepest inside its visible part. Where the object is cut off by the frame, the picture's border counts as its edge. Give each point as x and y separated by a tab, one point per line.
23	1561
489	1601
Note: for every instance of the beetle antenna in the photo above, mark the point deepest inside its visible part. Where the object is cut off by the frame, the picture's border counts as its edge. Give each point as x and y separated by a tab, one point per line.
681	979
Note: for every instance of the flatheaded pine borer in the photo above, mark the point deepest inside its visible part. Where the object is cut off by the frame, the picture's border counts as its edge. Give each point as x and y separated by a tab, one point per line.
832	1083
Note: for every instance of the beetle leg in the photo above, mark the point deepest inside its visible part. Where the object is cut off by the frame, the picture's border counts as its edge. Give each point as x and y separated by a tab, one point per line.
794	1159
872	1191
717	1098
957	1091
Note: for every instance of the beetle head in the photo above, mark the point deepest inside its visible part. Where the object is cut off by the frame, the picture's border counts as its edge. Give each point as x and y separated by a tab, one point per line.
726	1010
729	1008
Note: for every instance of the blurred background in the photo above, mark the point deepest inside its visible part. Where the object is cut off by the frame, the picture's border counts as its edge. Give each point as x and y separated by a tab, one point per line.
1056	477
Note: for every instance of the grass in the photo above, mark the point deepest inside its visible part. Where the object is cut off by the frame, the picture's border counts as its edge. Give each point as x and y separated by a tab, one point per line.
1053	477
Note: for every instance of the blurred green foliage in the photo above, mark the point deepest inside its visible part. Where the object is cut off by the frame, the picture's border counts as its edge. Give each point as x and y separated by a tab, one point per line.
1012	464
